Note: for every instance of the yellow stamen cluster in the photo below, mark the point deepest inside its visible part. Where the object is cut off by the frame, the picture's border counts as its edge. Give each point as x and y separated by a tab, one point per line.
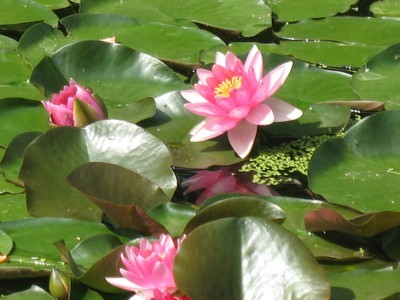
225	87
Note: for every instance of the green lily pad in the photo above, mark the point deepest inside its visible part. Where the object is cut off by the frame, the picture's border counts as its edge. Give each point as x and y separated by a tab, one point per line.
381	280
56	153
118	74
181	44
14	76
25	11
329	41
11	163
123	195
28	258
6	243
13	207
386	8
173	216
366	225
253	258
378	79
237	207
7	42
89	251
330	53
41	40
308	84
252	17
318	119
360	170
18	116
293	10
34	292
370	31
54	4
295	209
103	264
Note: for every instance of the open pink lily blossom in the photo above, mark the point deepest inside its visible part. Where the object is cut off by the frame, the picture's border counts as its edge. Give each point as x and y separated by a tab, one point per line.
223	181
148	268
236	98
63	109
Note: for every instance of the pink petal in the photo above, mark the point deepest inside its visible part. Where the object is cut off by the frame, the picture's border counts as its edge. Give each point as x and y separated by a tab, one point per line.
59	115
63	96
230	61
220	59
193	96
211	84
227	103
224	185
211	128
242	96
242	138
162	276
220	124
205	109
206	91
262	189
254	61
203	74
123	283
143	295
239	112
201	180
262	114
277	77
238	68
220	73
283	111
137	279
85	96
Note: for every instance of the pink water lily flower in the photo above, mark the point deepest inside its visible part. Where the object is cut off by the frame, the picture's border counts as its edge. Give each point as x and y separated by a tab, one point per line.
148	268
64	111
236	98
222	181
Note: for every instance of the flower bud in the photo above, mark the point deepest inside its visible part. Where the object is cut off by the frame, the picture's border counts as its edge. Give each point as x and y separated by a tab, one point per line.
59	285
74	106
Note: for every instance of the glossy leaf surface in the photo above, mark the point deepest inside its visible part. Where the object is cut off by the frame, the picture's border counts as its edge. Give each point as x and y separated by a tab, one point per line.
56	153
234	246
361	169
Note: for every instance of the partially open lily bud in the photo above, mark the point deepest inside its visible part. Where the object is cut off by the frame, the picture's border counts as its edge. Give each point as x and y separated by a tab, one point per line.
74	106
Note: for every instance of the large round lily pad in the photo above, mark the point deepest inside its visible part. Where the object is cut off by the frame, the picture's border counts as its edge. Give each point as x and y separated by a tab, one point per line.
362	169
255	260
56	153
